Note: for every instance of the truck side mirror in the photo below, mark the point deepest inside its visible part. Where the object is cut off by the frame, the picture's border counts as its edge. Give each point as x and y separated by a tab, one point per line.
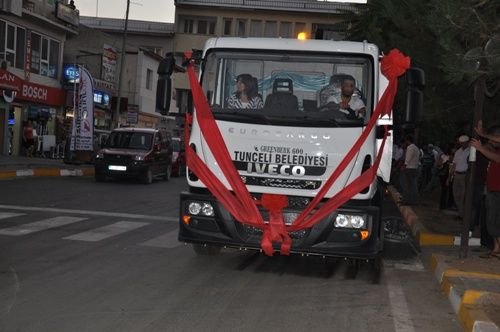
164	84
415	79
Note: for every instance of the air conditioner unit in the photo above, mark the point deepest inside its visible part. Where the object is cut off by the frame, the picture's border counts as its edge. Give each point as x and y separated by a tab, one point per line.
12	6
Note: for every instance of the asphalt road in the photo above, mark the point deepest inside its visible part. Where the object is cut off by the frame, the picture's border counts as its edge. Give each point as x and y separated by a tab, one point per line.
76	255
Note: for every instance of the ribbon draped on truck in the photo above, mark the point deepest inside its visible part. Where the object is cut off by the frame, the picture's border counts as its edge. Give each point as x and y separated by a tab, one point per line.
240	203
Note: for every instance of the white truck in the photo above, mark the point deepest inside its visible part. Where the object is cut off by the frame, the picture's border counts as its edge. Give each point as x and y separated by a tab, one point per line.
292	143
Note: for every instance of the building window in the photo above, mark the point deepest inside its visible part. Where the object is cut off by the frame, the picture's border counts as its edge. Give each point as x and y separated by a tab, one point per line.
211	27
202	27
149	79
188	25
271	29
299	27
44	55
12	44
242	25
286	29
255	28
228	25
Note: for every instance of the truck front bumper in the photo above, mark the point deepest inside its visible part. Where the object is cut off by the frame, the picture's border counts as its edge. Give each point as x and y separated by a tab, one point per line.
323	238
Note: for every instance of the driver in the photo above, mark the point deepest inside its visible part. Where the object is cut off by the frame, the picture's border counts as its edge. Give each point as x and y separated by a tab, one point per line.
349	103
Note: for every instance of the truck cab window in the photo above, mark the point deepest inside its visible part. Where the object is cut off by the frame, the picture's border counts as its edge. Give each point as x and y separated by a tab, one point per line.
310	80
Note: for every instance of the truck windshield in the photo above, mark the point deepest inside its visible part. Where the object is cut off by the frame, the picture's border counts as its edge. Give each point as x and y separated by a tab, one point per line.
130	140
296	89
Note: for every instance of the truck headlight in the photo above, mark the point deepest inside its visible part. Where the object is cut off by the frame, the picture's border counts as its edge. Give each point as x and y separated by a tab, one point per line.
201	208
350	221
207	210
194	208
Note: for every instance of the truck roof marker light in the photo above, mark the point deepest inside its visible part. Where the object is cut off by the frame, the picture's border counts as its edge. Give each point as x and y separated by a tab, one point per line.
186	219
364	234
301	36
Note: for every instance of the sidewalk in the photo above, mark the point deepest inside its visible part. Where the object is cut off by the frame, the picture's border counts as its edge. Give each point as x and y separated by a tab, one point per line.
20	166
472	284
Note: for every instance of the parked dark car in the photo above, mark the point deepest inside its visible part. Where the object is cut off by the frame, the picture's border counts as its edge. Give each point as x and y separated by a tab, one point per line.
142	153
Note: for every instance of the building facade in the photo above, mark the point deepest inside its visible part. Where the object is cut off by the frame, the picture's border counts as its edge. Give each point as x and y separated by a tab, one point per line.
198	20
32	38
146	43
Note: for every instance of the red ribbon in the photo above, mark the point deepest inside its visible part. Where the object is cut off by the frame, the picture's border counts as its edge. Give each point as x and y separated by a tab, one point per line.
240	203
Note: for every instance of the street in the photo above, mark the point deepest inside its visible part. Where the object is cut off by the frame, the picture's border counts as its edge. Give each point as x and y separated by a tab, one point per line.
76	255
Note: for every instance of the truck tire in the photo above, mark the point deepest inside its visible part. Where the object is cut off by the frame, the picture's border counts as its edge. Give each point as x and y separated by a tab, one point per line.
206	250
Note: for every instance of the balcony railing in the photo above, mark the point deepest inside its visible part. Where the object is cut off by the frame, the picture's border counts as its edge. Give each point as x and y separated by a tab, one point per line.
290	5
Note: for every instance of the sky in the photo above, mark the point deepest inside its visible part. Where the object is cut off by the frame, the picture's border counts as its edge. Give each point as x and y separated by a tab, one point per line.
147	10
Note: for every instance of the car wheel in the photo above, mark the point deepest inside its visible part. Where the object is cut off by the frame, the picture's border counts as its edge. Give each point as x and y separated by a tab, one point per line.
148	176
99	177
206	250
168	173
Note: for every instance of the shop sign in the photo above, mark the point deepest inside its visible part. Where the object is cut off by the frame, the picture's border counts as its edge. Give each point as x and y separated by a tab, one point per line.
67	14
132	114
70	74
109	60
9	81
101	98
29	91
105	86
41	94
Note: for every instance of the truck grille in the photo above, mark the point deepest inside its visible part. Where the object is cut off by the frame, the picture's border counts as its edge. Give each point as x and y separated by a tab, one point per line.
280	183
289	217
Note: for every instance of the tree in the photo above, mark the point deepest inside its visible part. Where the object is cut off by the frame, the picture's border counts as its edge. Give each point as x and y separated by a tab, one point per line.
436	34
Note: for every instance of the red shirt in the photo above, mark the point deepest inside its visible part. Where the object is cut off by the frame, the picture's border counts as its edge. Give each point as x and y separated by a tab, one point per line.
493	177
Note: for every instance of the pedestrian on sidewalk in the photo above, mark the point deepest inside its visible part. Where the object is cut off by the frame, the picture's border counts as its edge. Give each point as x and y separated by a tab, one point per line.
410	172
491	150
29	138
458	173
443	172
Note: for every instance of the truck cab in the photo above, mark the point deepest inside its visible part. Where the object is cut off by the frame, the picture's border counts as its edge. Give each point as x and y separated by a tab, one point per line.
290	141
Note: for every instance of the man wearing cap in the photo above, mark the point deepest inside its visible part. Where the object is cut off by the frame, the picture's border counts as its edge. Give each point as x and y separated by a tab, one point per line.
458	173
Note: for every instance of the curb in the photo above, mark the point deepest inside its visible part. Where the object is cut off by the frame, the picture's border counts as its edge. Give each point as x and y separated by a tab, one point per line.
423	236
467	307
47	172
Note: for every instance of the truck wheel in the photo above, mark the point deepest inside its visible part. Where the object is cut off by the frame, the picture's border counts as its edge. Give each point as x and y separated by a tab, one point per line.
148	176
206	250
99	177
168	173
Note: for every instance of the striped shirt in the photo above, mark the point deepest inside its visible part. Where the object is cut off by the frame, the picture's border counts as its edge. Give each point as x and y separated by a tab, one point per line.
253	103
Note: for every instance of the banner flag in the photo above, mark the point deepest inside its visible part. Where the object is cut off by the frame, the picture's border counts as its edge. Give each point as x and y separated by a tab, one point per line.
82	137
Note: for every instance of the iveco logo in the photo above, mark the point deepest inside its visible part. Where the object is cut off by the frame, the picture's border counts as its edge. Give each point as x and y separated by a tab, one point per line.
278	133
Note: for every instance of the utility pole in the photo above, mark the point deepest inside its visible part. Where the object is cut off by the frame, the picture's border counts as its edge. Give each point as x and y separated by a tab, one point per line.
479	94
116	117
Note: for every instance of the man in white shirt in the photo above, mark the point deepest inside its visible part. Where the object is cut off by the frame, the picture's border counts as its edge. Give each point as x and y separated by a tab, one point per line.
349	103
412	160
458	173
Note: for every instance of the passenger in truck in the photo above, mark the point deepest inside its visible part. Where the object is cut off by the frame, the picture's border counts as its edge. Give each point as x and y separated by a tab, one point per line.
246	95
